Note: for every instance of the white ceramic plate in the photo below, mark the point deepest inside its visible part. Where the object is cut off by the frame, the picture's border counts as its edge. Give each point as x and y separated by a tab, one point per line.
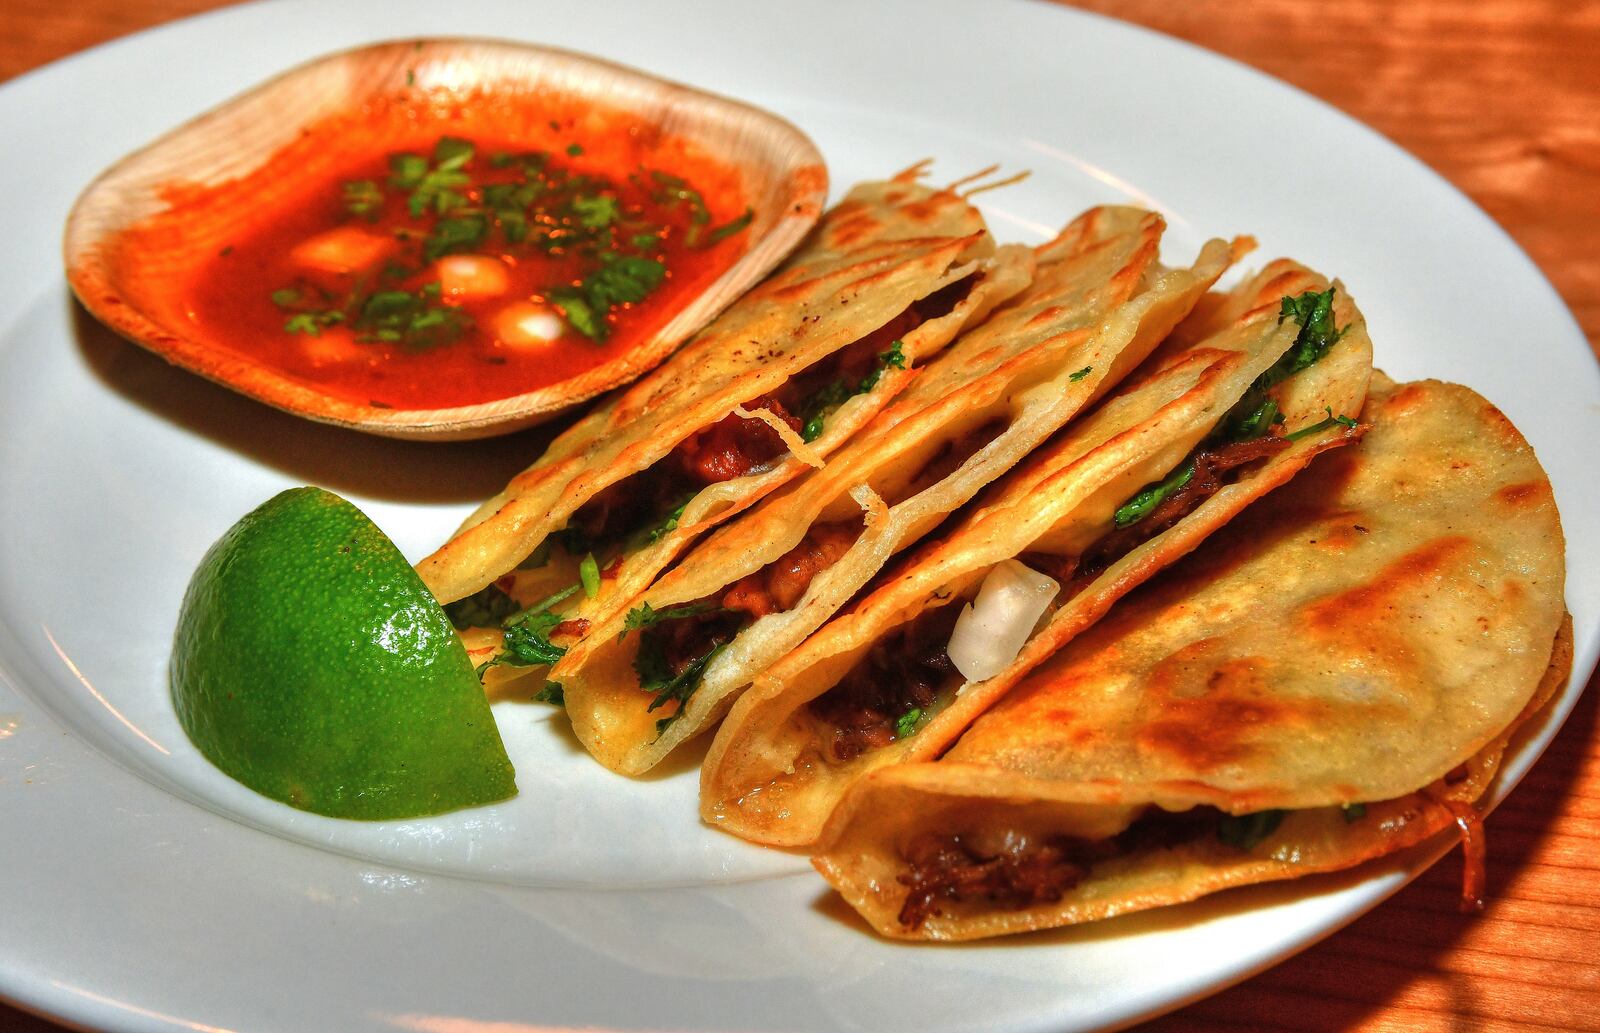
142	889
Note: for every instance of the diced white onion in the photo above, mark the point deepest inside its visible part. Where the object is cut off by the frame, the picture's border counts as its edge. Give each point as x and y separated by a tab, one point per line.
464	277
523	324
347	249
993	628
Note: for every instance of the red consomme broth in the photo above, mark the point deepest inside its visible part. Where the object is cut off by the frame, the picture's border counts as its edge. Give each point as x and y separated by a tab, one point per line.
259	229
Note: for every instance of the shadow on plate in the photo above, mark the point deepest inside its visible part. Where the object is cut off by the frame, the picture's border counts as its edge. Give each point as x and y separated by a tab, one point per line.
341	460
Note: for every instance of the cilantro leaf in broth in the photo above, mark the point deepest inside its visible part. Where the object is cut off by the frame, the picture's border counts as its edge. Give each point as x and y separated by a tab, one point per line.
455	234
415	319
620	280
579	314
624	280
596	212
729	228
452	153
363	198
406	170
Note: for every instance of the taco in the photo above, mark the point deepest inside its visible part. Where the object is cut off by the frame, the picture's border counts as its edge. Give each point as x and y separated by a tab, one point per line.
1332	677
670	666
1202	431
785	375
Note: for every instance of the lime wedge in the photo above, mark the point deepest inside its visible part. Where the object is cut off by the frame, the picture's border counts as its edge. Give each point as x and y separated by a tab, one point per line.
312	665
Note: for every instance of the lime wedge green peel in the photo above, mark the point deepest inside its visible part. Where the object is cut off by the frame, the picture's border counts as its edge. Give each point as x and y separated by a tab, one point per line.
312	665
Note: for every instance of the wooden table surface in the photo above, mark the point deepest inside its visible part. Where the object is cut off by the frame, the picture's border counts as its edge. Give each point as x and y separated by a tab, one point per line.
1503	98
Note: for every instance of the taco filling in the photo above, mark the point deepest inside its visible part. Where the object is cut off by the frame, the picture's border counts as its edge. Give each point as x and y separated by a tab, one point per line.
677	643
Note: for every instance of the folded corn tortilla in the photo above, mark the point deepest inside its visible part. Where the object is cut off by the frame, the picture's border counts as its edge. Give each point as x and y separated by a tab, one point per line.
1099	303
792	745
895	259
1331	677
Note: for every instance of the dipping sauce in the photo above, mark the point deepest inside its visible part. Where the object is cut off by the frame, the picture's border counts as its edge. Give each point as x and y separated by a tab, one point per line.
416	254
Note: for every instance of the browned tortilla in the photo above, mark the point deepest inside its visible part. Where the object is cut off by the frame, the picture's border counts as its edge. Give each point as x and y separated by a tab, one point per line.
1369	634
1098	304
771	776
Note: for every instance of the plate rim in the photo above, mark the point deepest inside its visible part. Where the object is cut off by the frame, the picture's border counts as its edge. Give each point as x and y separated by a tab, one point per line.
66	1006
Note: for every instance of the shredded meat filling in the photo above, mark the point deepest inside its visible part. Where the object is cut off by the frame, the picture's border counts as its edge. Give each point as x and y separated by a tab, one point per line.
943	868
1210	466
780	584
735	445
631	504
902	672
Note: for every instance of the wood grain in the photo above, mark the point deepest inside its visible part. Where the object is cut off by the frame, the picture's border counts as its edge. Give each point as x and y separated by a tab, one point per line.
1503	98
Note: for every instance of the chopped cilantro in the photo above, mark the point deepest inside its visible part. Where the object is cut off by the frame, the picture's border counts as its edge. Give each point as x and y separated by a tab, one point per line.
552	693
646	616
907	725
363	198
574	149
414	319
454	234
729	228
820	405
668	524
288	297
825	400
435	185
895	357
580	315
589	575
527	636
311	323
1254	424
1080	374
620	280
625	279
407	170
598	212
452	153
1322	425
676	190
680	687
1313	312
1150	496
1245	831
527	644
